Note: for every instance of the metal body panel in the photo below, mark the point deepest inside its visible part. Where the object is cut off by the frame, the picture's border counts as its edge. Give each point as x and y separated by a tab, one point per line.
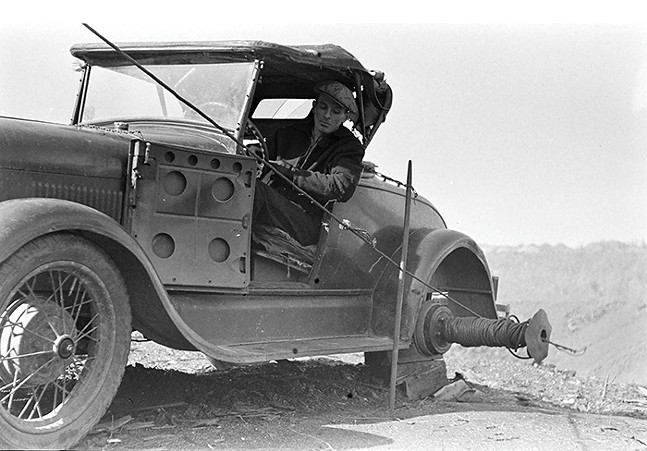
48	148
192	214
265	317
449	261
88	169
377	208
103	194
180	133
287	349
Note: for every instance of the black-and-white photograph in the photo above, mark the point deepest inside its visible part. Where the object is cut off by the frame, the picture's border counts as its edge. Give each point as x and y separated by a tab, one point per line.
253	226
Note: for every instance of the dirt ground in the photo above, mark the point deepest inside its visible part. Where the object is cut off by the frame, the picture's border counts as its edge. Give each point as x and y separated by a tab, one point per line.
177	400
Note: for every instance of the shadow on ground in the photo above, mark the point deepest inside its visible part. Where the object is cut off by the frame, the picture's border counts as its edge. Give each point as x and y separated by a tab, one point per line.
284	405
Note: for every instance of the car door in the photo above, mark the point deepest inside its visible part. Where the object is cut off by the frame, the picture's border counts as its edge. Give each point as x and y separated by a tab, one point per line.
191	213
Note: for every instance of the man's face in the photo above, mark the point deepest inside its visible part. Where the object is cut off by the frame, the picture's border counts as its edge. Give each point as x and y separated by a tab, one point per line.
328	115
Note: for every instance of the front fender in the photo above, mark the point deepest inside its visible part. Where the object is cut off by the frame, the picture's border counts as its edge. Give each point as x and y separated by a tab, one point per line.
23	220
448	260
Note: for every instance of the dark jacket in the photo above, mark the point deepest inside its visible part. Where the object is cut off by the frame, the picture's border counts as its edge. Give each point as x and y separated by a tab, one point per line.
331	172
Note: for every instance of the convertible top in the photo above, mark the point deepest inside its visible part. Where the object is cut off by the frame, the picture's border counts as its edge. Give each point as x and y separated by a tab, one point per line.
288	71
320	56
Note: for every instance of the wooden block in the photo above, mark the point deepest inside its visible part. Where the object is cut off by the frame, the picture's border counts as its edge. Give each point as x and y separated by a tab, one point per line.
420	376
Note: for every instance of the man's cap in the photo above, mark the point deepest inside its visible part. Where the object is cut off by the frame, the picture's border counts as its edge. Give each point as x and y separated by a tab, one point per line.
340	94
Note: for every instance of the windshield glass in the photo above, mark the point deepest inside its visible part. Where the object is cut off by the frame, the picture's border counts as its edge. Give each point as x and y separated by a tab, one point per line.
125	92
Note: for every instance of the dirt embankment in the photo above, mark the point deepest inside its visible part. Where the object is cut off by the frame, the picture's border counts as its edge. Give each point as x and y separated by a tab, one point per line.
595	297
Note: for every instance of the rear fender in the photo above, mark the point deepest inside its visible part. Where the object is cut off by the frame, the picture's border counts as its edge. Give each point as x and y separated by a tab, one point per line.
445	259
23	220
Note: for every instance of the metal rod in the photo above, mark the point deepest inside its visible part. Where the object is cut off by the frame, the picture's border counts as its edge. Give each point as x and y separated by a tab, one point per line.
164	85
360	102
401	288
286	179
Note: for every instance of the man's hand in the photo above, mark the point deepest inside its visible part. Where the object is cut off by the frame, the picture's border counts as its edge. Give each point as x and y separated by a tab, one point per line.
255	149
284	168
283	163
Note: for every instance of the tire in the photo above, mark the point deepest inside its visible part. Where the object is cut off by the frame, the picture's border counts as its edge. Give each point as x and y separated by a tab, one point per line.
65	328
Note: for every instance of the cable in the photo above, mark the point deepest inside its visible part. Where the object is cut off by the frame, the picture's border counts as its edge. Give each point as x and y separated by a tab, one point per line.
472	332
342	223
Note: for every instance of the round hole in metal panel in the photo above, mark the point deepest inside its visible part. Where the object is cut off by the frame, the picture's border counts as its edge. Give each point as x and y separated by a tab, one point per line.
169	157
219	250
237	167
163	245
193	160
174	183
215	163
223	189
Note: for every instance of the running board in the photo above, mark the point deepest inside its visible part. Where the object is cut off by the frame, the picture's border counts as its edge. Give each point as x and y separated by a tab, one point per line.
289	349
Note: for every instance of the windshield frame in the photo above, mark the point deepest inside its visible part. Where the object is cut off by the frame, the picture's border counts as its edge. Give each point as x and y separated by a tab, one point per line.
236	126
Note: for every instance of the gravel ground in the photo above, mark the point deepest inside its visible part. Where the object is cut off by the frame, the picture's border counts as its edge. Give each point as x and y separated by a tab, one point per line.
176	400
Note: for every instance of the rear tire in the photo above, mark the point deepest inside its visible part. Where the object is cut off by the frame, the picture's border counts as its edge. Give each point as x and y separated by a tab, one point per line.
65	328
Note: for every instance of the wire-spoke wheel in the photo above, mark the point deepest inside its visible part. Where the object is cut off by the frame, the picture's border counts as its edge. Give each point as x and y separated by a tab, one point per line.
64	341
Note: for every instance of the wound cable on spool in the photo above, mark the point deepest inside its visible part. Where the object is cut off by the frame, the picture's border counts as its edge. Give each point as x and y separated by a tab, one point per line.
472	332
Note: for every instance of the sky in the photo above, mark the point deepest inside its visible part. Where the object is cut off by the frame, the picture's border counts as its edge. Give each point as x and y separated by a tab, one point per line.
520	131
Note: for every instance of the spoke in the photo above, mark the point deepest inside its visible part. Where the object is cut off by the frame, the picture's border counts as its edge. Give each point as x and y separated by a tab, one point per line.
37	400
25	407
22	382
76	305
63	389
31	354
22	294
44	312
30	286
59	298
81	304
54	403
85	333
11	393
7	386
11	323
73	286
53	284
74	279
37	407
49	299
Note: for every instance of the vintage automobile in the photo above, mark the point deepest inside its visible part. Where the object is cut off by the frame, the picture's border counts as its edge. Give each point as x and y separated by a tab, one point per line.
137	217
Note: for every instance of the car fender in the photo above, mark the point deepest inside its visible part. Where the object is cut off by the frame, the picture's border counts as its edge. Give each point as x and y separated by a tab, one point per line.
23	220
444	259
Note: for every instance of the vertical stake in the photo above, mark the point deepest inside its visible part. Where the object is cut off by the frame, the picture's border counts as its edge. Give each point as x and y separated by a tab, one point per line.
401	288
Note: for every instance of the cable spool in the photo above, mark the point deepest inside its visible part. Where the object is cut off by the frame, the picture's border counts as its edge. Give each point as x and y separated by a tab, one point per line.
438	329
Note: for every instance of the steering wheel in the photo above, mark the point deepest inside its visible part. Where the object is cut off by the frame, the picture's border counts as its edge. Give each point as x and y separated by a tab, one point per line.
258	136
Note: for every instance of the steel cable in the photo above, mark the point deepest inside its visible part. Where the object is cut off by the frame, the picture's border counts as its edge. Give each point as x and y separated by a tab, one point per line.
345	225
472	332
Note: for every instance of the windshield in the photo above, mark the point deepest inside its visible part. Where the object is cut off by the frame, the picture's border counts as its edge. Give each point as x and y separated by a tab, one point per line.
125	92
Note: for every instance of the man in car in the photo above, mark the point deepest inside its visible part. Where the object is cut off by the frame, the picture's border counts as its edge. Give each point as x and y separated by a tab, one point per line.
319	155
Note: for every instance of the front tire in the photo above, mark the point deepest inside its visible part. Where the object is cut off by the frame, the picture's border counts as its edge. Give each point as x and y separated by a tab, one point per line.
65	328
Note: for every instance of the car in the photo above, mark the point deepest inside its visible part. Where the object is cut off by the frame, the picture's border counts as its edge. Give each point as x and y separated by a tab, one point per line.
137	217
